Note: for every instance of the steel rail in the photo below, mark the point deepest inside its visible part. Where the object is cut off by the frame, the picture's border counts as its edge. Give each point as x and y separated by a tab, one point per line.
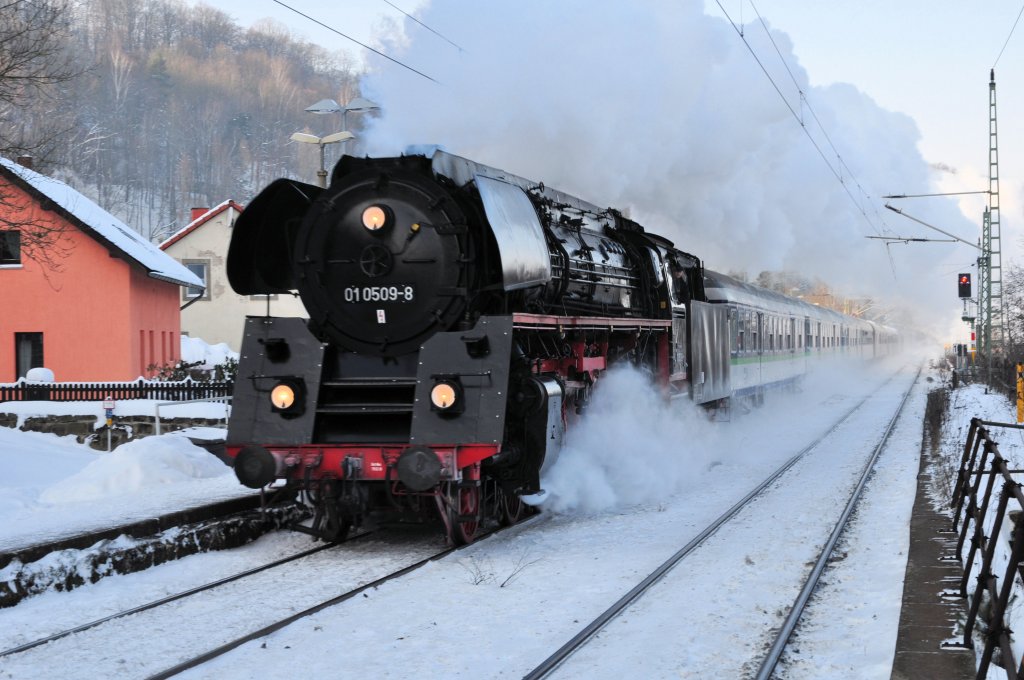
171	598
282	623
771	660
566	650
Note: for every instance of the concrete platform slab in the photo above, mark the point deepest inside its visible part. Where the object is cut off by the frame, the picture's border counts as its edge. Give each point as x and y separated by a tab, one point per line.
928	619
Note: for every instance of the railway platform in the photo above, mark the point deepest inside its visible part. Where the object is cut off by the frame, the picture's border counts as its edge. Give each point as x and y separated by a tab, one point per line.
927	619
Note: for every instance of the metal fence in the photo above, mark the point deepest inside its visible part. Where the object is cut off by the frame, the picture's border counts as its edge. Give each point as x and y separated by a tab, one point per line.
187	389
981	466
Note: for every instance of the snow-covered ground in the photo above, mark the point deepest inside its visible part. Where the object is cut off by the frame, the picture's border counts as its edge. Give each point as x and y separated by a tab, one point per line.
624	497
53	486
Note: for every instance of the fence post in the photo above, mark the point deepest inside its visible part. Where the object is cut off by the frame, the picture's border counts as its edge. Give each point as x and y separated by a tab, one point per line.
963	475
978	537
972	494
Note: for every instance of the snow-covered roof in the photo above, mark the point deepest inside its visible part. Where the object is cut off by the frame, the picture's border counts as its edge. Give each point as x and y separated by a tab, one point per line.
199	221
98	223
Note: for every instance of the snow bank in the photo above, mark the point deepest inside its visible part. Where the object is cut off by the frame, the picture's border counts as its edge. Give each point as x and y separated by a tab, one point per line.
149	462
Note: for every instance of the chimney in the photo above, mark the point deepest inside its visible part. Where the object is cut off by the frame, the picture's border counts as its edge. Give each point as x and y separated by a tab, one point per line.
25	161
198	212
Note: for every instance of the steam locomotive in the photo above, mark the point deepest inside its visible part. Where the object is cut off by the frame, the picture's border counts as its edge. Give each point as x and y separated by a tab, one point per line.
460	318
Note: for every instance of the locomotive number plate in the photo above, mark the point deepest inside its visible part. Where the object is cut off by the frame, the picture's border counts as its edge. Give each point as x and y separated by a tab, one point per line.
399	293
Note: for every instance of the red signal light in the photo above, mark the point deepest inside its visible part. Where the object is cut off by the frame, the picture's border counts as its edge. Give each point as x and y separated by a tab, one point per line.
964	285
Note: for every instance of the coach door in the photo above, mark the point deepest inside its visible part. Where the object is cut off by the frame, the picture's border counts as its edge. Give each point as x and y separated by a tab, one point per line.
760	347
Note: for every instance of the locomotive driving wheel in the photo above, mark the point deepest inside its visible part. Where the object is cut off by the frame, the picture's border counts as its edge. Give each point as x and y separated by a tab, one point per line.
511	508
463	512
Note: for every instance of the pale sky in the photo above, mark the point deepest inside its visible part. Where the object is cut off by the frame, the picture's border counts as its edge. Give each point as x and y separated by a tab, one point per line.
930	60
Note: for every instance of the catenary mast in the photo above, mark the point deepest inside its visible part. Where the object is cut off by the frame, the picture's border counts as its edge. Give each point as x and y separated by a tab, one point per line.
992	281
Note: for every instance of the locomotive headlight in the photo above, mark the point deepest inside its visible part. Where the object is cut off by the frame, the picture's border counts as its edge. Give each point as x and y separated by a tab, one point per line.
376	217
282	396
446	396
288	397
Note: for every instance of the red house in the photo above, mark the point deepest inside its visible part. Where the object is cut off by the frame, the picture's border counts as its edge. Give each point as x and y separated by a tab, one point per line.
84	295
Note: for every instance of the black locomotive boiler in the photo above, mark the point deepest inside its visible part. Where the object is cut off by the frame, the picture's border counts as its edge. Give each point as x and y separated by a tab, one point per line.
459	320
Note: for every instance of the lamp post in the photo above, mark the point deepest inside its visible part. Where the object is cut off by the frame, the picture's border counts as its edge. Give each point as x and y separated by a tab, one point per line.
342	136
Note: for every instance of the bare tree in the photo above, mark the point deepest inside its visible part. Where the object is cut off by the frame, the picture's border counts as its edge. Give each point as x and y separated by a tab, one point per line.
180	107
1013	308
33	63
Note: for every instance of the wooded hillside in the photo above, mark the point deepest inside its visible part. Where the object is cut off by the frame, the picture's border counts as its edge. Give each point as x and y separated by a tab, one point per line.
174	106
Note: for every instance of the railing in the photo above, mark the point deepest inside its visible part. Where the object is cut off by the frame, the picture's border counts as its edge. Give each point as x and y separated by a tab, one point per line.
141	389
981	460
224	400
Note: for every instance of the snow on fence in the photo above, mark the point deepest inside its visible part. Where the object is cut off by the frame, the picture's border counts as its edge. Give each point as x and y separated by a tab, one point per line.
187	389
995	551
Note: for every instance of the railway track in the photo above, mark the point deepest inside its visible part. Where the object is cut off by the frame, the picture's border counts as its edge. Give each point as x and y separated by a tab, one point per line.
372	559
211	615
778	644
86	557
277	625
172	598
784	634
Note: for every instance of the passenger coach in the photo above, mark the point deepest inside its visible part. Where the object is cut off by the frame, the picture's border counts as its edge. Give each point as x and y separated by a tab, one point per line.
773	337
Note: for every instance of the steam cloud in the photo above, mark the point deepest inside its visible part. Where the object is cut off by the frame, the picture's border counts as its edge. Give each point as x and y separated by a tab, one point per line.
632	447
659	109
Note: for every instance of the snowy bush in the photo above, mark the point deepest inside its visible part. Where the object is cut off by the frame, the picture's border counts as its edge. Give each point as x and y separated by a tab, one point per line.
199	361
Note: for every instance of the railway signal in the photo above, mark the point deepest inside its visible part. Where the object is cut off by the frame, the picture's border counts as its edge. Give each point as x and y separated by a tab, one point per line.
964	285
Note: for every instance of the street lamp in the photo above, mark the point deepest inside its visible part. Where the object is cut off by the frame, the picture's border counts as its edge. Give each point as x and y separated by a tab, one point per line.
357	105
342	136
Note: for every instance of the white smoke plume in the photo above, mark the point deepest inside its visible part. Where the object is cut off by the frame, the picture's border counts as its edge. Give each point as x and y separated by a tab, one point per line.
658	109
632	447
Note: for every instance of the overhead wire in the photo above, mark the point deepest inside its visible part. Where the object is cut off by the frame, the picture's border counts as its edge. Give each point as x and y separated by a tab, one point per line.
459	48
348	37
836	172
1012	29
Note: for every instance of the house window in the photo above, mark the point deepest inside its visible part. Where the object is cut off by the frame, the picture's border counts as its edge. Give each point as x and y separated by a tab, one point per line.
10	247
28	352
201	268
